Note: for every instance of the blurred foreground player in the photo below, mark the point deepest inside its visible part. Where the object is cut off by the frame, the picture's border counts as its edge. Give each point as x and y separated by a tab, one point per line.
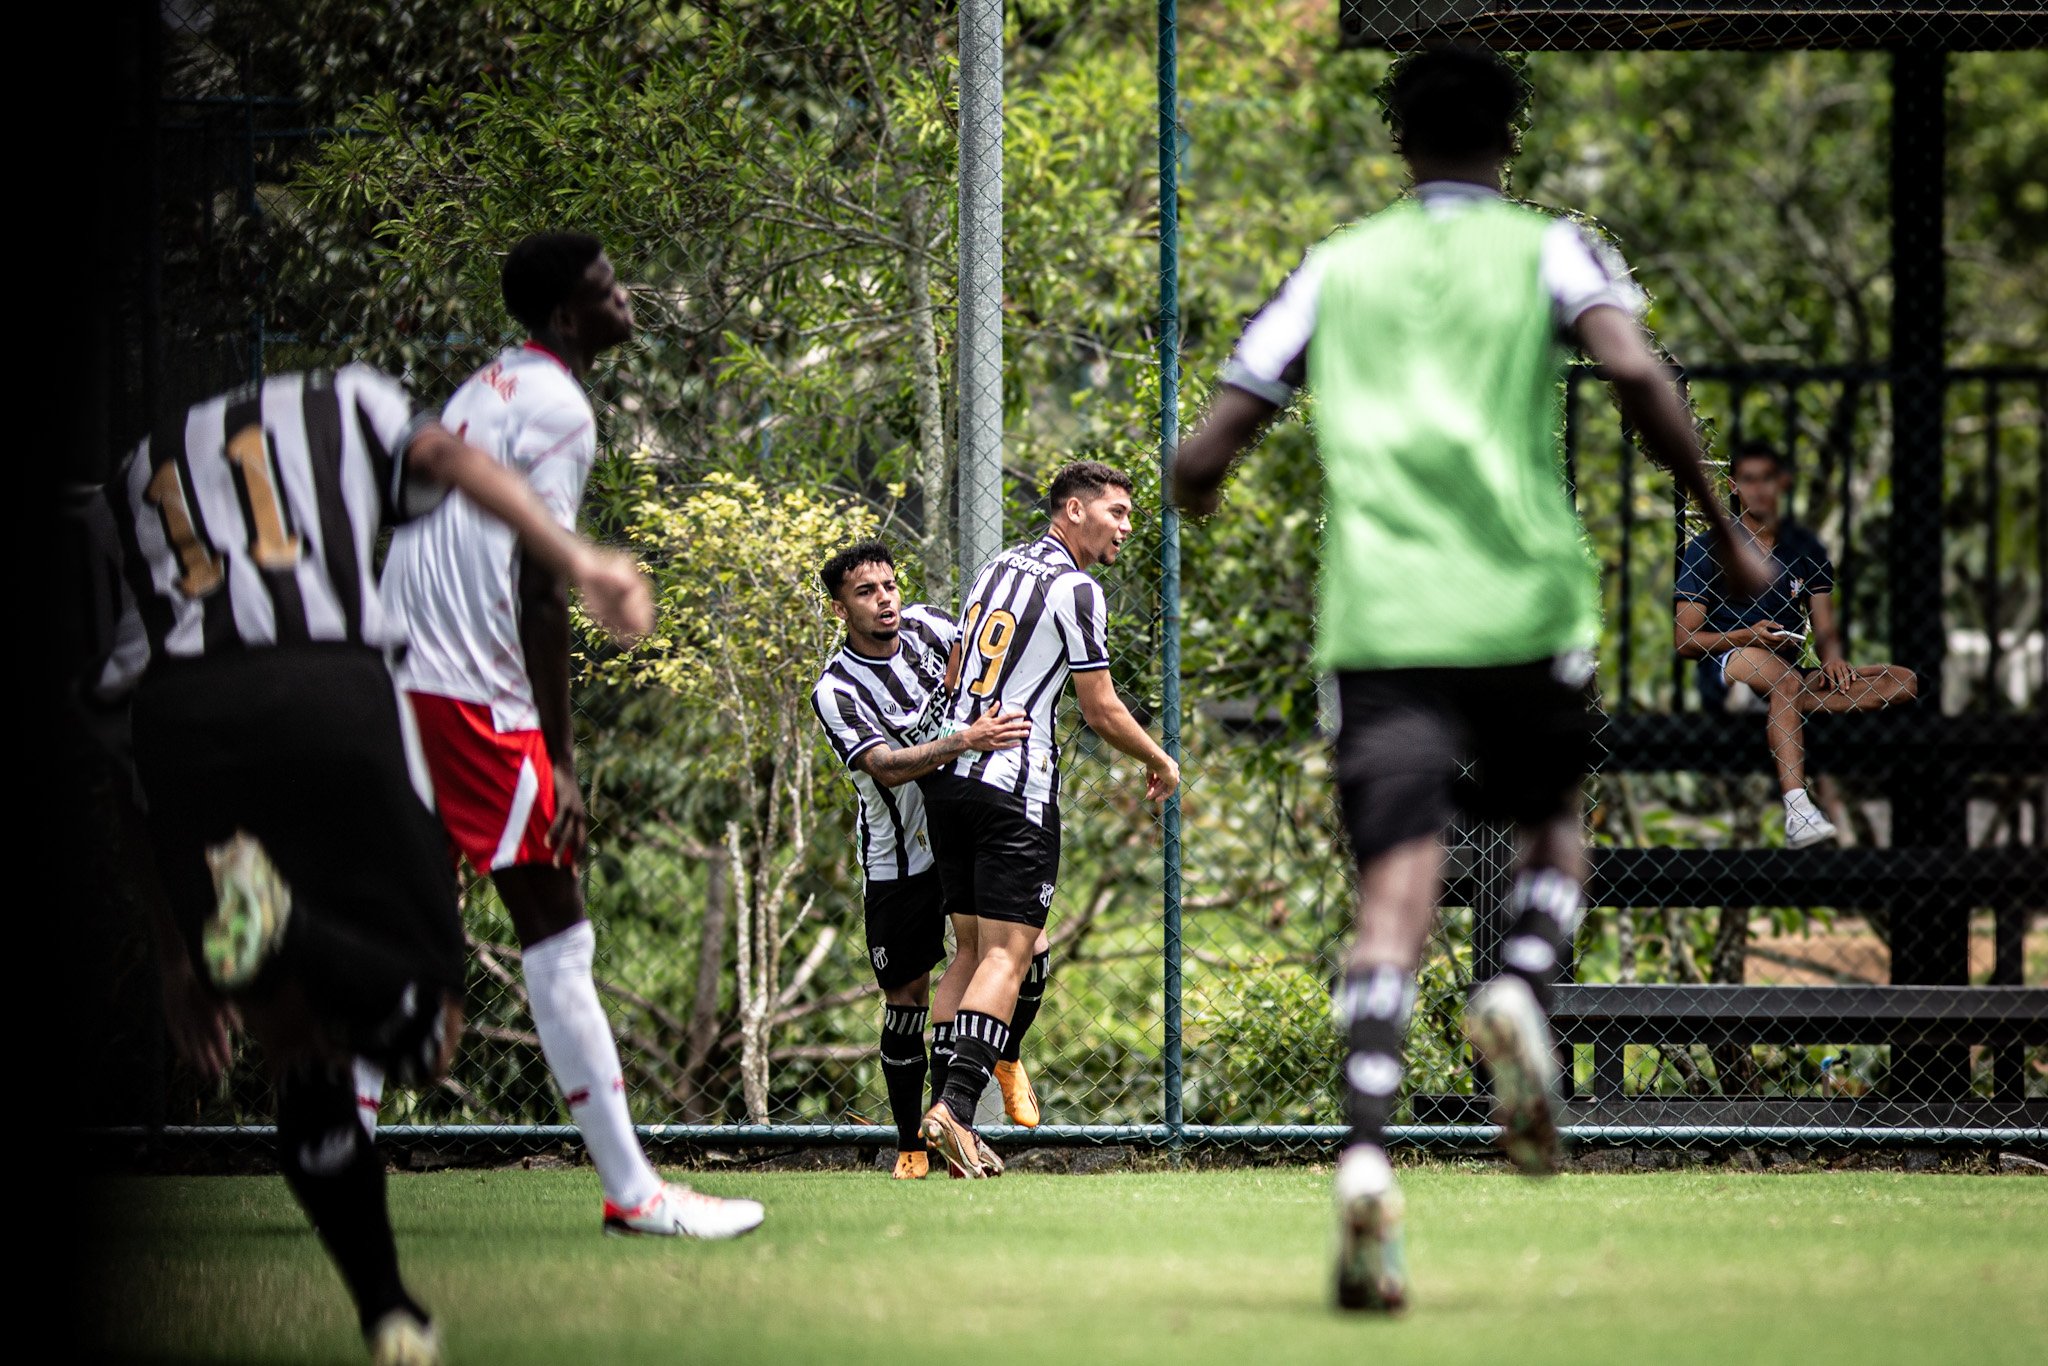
487	671
252	640
879	699
1458	608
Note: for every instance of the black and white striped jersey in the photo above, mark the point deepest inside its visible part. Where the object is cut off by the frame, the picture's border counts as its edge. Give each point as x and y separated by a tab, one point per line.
1032	618
863	702
253	521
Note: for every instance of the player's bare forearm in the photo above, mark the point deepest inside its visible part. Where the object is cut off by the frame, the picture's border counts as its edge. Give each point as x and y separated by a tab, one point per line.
1112	720
895	767
1231	427
544	640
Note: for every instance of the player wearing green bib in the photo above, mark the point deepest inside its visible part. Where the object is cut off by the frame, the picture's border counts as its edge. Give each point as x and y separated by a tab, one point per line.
1458	606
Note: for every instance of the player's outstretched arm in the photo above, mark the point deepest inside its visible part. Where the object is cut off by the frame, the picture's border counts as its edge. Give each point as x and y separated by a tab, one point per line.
1108	717
613	590
993	729
1231	427
1650	400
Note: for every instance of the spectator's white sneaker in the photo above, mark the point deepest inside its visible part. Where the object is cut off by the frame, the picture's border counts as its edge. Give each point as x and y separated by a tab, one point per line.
676	1211
1804	823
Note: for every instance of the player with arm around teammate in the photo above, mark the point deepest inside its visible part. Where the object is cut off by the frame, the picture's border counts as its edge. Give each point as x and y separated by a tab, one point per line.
1033	618
291	823
879	699
487	673
1457	606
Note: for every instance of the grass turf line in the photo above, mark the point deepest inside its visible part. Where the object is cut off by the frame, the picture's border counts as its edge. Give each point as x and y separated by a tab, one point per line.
1181	1268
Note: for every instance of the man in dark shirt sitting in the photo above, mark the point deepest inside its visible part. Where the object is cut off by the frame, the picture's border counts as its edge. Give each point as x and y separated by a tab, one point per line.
1759	644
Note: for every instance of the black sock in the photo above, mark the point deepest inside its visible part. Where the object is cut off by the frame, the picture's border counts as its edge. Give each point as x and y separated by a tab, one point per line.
903	1065
1372	1007
333	1169
942	1057
1029	997
978	1041
1543	913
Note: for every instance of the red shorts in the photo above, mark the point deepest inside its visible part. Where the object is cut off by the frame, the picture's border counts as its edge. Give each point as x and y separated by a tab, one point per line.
495	790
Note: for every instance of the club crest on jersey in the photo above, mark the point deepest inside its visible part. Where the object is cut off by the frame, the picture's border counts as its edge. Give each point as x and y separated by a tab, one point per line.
923	841
880	956
1045	894
1798	587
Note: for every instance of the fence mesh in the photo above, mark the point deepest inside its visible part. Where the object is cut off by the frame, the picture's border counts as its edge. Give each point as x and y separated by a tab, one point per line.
1844	250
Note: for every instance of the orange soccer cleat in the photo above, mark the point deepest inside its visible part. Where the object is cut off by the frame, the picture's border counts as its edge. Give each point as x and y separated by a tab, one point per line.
1020	1102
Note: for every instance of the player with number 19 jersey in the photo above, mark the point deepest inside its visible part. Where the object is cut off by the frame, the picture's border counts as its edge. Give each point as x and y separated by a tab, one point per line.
1032	618
451	578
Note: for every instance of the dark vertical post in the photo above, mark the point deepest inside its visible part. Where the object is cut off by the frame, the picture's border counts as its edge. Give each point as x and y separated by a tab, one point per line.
1169	549
1930	941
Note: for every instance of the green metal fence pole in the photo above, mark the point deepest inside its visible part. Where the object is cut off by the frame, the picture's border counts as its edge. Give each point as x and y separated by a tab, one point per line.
1169	543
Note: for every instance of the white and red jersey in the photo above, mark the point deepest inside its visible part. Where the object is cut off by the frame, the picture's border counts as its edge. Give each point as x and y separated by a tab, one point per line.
451	578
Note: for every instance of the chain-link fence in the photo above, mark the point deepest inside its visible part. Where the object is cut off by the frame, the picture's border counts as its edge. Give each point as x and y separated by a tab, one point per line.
1846	243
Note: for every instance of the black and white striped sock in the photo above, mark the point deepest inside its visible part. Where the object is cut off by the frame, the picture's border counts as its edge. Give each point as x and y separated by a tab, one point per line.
903	1068
1030	996
1543	915
942	1057
1372	1008
978	1041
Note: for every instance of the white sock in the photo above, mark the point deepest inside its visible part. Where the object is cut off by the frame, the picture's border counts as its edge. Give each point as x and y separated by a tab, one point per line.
369	1093
576	1038
1795	796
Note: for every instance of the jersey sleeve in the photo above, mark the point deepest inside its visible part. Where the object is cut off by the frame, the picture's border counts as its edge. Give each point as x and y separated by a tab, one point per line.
1082	614
1583	271
849	726
1698	576
1820	570
554	450
1271	359
388	423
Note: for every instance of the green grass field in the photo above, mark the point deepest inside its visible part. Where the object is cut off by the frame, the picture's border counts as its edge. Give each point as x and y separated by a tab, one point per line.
1181	1268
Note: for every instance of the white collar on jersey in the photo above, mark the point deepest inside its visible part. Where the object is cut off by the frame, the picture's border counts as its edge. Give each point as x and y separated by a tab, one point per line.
1454	189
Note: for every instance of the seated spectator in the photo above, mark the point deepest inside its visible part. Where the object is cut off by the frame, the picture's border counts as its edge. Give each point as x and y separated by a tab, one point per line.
1757	647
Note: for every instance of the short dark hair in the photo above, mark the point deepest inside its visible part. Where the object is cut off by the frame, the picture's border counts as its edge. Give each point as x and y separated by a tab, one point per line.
542	272
1758	450
853	557
1085	479
1453	100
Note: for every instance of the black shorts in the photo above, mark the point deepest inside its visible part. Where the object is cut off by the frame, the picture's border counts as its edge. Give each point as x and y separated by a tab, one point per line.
1415	746
906	926
994	861
306	748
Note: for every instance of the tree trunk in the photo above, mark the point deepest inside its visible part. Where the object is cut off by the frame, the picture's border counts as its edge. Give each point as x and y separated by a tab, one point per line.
703	1032
752	993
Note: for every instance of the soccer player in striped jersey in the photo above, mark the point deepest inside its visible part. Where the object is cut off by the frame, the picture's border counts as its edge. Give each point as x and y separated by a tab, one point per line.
269	740
1033	618
879	700
487	671
1457	608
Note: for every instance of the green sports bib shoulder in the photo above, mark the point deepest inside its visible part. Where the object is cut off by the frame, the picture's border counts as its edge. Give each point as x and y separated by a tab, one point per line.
1449	539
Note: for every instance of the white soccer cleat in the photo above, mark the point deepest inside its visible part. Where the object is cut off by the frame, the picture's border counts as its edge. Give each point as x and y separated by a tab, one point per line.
399	1339
1805	825
1372	1263
1507	1028
676	1211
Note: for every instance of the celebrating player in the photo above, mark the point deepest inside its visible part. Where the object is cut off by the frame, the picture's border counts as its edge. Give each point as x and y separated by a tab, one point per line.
1457	606
1033	617
251	636
487	671
876	700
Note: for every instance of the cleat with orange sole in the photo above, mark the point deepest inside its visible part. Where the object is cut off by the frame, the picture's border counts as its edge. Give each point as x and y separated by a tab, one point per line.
1020	1101
911	1167
959	1145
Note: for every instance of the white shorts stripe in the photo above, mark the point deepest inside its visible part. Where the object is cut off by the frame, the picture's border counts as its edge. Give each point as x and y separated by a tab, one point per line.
523	794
